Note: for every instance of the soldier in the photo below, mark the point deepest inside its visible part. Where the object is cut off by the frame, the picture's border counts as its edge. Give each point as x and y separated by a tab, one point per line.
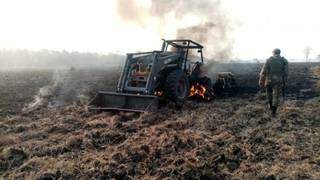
273	76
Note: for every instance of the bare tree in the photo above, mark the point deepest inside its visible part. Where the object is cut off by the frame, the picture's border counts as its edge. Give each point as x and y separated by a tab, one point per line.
307	51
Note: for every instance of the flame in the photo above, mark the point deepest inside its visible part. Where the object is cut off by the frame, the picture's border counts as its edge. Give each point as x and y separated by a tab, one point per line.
197	90
158	93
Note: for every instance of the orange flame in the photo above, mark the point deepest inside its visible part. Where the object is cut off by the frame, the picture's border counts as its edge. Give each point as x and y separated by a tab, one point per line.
197	90
158	93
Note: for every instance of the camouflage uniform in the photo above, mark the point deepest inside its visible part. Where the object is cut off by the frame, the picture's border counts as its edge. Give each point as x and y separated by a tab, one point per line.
273	74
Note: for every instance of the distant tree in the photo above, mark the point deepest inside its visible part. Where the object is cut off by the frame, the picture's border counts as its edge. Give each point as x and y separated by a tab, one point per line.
57	59
307	51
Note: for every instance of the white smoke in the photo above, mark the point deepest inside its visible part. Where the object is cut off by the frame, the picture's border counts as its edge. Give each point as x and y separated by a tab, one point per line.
59	92
203	21
42	98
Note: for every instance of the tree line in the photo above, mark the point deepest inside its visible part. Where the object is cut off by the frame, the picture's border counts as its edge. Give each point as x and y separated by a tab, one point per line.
57	59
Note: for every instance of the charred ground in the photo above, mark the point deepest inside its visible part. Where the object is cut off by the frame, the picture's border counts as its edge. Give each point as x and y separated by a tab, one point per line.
231	137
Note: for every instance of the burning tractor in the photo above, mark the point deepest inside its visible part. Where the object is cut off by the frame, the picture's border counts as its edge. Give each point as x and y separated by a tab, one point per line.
172	74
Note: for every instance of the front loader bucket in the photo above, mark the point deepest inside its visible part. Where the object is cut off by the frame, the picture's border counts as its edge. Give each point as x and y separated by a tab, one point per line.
109	101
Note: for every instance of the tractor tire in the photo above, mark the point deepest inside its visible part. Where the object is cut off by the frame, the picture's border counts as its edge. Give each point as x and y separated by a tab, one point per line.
177	87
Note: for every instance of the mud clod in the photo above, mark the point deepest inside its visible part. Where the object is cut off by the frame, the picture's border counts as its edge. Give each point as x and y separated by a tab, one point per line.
11	158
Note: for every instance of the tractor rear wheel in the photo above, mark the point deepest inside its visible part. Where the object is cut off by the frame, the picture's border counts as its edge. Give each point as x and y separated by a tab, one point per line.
177	87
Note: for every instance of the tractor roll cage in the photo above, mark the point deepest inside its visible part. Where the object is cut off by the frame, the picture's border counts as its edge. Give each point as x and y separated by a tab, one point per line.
183	44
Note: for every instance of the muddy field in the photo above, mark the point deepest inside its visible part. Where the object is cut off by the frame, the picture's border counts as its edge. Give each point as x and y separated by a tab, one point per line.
227	138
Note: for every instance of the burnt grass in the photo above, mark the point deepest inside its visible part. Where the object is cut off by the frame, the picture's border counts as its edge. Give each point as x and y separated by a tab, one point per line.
227	138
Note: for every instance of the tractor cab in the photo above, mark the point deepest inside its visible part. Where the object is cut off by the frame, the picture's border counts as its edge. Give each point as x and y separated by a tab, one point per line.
190	52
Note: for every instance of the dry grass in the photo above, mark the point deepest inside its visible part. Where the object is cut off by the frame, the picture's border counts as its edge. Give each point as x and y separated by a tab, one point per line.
6	140
233	137
210	140
316	73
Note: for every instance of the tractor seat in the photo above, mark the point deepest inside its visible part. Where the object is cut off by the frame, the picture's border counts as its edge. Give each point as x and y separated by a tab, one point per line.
146	73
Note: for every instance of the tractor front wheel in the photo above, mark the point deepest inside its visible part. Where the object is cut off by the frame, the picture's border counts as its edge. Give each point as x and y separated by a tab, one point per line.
177	87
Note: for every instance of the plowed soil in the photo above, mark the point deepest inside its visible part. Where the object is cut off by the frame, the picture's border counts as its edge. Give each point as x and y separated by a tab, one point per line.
227	138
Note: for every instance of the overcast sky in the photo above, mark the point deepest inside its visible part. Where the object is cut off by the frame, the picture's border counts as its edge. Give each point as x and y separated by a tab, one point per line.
94	26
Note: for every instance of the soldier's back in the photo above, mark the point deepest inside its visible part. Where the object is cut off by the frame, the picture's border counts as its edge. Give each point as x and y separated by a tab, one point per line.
276	66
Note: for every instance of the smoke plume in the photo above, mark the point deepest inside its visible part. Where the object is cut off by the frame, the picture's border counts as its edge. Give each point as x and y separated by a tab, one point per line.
129	10
65	88
203	21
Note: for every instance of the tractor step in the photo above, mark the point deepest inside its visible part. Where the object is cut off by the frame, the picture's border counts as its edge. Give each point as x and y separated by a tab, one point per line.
112	101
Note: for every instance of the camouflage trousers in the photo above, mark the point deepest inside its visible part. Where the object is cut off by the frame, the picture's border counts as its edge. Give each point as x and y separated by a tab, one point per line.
273	93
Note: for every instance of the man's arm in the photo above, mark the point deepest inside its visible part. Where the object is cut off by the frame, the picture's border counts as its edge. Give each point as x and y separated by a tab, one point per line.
285	77
285	71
